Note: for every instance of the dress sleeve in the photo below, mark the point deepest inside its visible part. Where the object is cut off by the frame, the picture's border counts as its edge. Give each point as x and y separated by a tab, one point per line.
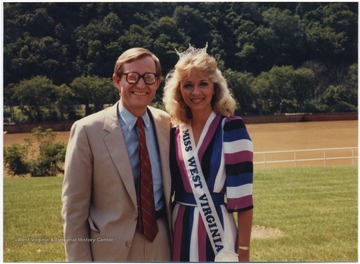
238	155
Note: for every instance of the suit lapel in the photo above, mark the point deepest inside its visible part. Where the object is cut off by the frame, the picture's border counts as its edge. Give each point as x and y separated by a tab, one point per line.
117	149
162	130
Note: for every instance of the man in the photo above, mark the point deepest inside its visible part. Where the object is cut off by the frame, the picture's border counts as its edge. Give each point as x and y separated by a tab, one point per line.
101	189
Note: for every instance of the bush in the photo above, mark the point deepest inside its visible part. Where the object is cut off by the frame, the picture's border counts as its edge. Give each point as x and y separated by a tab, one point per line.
47	156
15	159
50	160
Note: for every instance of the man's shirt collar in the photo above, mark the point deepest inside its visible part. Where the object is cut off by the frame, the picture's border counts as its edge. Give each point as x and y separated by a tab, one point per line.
130	120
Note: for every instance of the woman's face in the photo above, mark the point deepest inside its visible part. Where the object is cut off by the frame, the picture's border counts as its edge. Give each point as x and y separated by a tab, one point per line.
197	91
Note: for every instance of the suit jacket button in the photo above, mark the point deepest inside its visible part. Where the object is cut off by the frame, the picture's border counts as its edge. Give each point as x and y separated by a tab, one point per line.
128	244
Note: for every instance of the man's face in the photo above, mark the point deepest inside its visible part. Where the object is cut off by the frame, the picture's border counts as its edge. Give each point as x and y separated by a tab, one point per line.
137	96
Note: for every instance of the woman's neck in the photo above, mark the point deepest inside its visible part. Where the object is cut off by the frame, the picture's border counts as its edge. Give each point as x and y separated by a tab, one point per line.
198	123
199	118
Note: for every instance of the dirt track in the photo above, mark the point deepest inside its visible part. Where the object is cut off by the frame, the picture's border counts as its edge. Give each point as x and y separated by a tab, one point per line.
278	136
304	135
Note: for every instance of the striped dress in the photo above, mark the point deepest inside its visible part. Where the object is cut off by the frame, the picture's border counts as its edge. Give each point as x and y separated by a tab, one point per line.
225	152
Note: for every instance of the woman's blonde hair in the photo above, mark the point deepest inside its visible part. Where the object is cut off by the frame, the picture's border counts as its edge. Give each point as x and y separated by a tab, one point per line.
196	59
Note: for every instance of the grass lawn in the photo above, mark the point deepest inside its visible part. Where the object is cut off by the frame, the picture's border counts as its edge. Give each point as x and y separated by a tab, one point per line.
32	220
314	209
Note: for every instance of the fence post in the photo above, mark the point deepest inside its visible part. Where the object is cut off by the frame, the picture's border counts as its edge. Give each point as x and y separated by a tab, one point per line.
264	160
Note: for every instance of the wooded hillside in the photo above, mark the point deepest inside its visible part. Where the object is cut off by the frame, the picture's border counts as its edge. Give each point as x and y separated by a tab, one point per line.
277	57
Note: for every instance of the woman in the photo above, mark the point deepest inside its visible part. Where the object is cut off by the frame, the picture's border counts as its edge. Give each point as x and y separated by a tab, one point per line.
211	160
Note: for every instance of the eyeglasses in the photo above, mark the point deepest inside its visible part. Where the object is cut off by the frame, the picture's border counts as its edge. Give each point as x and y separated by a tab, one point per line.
133	77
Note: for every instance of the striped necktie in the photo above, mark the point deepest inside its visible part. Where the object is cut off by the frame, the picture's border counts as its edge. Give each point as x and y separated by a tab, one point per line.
147	215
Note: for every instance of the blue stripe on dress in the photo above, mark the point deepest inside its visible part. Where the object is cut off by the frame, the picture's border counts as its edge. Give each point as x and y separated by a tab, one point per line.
237	180
236	134
215	158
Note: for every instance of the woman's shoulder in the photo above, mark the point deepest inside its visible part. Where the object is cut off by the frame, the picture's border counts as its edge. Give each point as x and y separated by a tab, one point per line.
233	122
234	129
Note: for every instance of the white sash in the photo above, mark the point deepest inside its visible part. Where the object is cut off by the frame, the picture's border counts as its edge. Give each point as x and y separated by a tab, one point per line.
200	189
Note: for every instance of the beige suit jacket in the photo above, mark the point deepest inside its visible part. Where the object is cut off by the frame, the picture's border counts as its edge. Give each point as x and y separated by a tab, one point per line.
99	198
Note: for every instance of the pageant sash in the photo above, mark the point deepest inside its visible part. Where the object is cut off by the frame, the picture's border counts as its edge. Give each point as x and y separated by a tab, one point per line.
201	192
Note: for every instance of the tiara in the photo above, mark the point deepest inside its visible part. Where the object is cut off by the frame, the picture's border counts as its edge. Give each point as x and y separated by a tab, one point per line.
192	51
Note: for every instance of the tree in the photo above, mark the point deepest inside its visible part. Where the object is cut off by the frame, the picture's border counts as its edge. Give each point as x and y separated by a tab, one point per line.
336	98
351	83
166	35
283	39
331	33
344	22
92	40
64	41
281	87
260	89
190	20
240	84
65	103
36	98
284	89
38	23
136	36
303	83
93	92
321	77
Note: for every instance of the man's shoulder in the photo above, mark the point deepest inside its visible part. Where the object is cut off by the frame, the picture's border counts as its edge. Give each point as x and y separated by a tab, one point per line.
158	112
95	117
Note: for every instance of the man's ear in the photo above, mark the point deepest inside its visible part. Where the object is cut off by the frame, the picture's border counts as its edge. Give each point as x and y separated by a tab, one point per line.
115	79
158	82
116	82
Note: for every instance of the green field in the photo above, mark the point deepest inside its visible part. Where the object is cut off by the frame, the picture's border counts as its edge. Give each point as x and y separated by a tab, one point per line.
313	209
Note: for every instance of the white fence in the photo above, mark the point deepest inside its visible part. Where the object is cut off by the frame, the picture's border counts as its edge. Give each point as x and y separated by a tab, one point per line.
307	157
